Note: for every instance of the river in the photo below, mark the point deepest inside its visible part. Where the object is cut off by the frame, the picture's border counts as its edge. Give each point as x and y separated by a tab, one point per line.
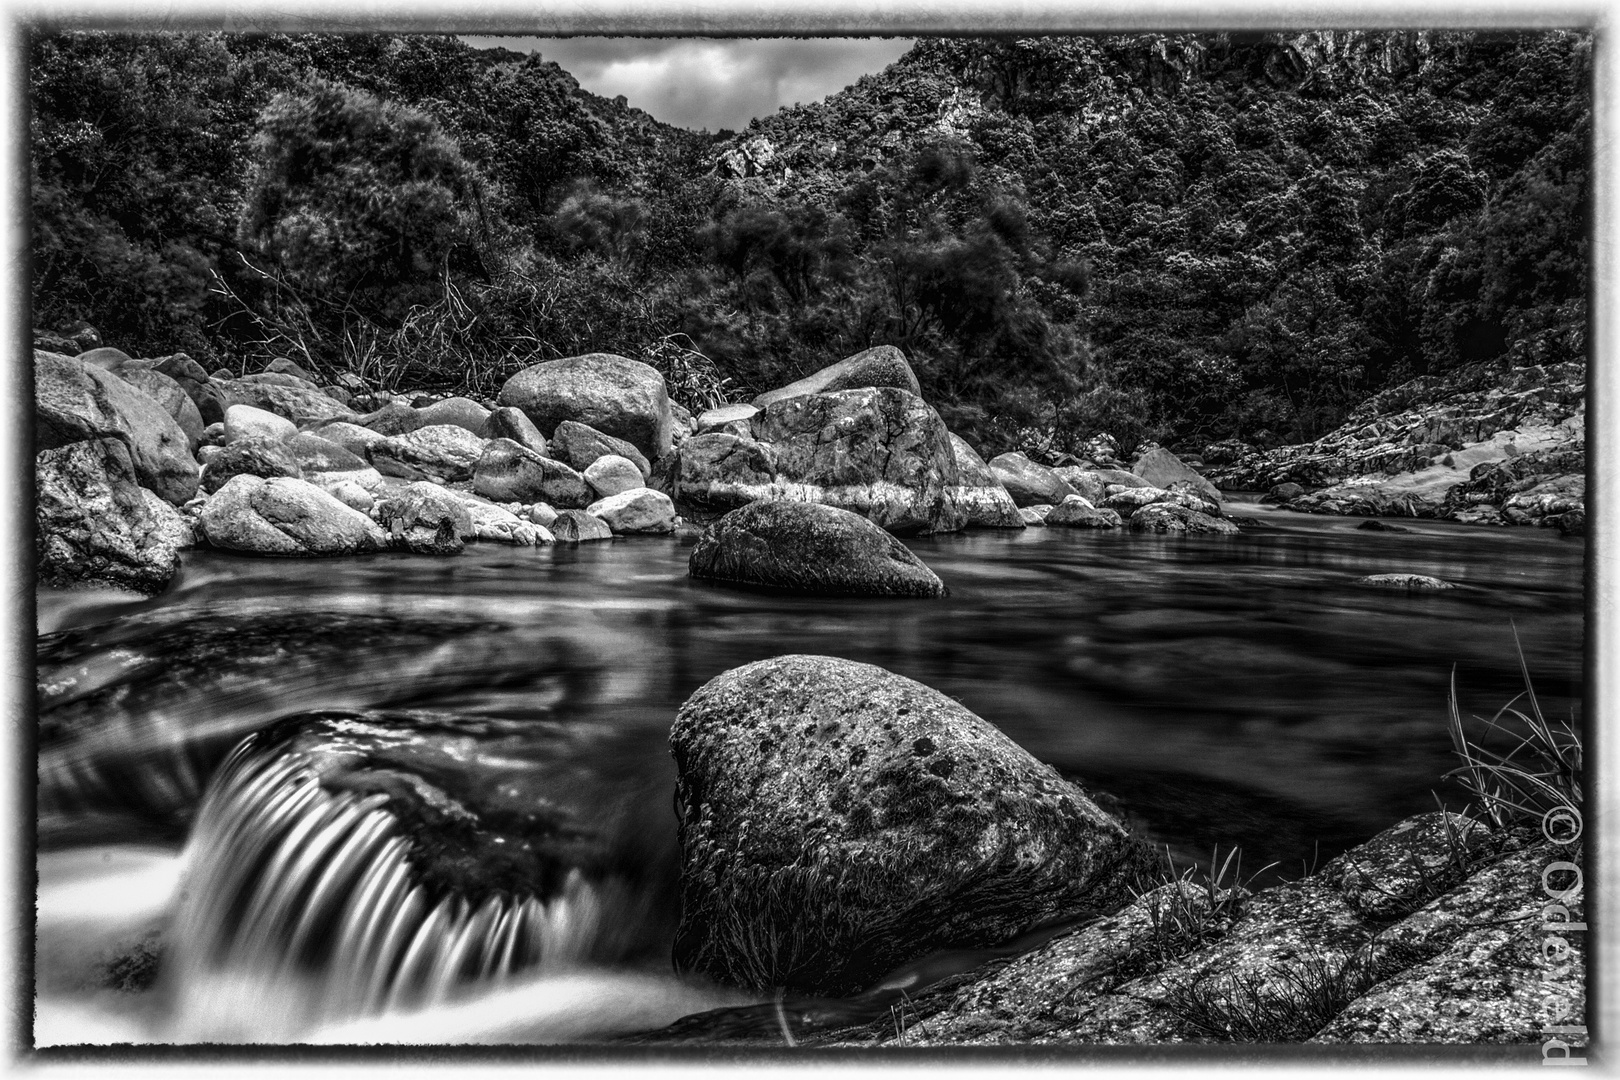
1216	691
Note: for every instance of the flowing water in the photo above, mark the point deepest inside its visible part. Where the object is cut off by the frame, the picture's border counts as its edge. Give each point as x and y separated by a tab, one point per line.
414	799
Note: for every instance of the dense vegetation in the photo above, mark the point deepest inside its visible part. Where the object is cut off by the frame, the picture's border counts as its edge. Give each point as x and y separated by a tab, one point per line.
1183	237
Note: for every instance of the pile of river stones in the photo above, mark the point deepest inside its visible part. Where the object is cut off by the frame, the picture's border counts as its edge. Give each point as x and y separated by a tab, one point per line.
137	459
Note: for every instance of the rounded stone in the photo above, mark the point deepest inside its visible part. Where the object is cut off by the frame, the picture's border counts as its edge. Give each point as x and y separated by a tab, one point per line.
613	475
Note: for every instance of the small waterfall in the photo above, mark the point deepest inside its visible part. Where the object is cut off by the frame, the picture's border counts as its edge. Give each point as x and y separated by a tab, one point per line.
306	899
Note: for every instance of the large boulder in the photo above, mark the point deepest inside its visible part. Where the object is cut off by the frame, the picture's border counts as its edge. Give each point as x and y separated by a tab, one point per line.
1161	468
262	457
581	445
511	423
508	472
881	452
169	394
639	511
445	452
425	518
302	406
612	394
883	365
284	516
719	471
1027	482
248	422
838	820
812	548
463	412
75	401
978	494
95	525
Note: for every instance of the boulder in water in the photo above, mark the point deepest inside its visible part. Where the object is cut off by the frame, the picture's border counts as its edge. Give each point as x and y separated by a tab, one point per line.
1169	517
259	456
883	365
247	422
581	446
839	820
284	516
425	518
616	396
641	510
94	525
978	494
1077	512
613	475
75	401
1027	482
445	452
811	548
578	527
718	471
511	423
509	472
1284	492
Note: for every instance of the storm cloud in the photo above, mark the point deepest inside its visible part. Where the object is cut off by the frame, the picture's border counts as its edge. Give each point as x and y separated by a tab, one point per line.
711	83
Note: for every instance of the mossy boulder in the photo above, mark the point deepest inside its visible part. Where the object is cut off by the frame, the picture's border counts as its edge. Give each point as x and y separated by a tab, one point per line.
839	820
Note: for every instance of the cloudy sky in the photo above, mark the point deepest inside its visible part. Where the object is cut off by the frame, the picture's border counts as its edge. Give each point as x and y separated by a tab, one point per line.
711	83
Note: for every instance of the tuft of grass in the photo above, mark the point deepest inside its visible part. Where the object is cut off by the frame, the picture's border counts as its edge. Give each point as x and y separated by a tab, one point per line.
1540	774
1281	1004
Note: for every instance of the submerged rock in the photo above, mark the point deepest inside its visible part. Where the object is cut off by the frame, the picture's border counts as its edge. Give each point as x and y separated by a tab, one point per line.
883	365
94	525
284	516
810	547
838	820
616	396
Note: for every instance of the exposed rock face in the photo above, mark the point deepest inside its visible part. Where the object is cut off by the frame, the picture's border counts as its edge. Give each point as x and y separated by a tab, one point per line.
94	525
284	516
460	411
1078	512
1421	449
883	365
1161	468
511	423
425	518
262	457
247	422
882	453
75	401
810	547
613	475
1027	482
641	510
612	394
581	445
838	820
978	494
577	527
508	472
1173	517
303	406
445	452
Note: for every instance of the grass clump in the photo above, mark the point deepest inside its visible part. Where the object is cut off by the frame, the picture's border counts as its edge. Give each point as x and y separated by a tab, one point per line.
1279	1004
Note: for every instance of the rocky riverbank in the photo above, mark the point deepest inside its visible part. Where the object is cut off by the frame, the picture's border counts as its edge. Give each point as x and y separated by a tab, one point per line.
1486	445
138	459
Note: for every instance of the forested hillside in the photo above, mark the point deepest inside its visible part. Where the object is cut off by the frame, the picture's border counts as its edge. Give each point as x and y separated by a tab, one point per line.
1184	238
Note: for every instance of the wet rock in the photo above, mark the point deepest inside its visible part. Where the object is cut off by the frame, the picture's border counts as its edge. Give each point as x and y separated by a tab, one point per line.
508	472
1173	517
578	527
581	445
616	396
246	422
883	365
1027	482
304	407
425	519
460	411
1078	512
75	401
733	419
284	516
611	475
809	547
882	453
258	456
444	452
641	510
838	820
1409	582
95	525
511	423
1161	468
978	495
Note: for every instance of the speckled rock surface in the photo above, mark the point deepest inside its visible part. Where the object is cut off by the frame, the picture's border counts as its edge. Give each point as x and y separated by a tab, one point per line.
839	820
1170	517
978	494
1077	512
882	365
445	452
1407	582
425	518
